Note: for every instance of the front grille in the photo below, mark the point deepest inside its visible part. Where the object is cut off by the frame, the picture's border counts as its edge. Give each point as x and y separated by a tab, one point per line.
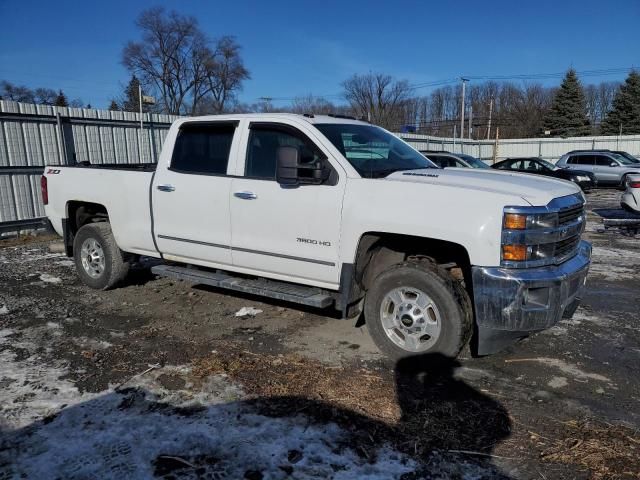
570	214
566	247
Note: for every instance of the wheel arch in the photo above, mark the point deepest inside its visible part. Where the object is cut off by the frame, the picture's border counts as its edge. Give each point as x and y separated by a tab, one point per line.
78	214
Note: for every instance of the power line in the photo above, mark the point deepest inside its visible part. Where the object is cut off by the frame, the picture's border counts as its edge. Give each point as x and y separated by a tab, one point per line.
523	76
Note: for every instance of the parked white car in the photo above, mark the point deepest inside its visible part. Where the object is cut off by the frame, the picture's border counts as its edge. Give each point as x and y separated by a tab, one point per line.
631	197
331	211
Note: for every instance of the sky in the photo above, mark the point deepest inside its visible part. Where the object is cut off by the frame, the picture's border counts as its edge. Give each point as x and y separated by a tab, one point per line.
297	47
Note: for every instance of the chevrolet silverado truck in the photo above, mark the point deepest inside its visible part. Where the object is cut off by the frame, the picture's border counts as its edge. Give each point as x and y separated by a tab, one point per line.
329	211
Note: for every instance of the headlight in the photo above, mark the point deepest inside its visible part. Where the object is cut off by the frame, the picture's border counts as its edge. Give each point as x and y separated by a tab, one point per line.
536	236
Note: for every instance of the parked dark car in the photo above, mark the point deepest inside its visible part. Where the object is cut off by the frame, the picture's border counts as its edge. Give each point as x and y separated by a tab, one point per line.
458	160
586	180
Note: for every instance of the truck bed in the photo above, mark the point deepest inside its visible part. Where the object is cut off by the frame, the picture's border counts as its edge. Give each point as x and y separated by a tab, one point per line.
123	190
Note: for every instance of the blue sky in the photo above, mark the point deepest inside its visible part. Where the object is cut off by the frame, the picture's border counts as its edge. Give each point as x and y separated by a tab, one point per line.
299	47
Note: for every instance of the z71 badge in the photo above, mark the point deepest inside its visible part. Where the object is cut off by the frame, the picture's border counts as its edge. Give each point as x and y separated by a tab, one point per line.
314	242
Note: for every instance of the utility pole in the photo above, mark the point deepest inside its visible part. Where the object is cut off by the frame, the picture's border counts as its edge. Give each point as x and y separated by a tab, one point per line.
141	124
464	83
454	137
495	145
490	111
470	120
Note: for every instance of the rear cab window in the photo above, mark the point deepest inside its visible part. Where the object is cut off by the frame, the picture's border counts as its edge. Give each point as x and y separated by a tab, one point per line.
203	148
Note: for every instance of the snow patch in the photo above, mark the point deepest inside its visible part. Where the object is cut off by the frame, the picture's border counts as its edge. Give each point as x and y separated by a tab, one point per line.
565	367
248	312
4	310
45	277
52	430
558	382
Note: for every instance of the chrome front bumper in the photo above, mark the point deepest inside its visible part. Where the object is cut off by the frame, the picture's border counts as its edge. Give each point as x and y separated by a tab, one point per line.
512	303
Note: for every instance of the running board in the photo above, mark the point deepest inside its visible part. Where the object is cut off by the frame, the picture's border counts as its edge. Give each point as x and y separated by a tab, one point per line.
311	296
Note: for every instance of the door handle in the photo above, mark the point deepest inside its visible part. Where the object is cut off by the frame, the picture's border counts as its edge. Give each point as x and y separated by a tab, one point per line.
166	188
245	195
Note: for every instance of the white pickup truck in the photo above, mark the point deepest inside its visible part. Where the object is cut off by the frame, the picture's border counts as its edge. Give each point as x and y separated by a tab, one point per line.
331	211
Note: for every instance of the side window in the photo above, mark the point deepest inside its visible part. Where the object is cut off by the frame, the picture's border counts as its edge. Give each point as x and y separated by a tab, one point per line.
263	146
572	160
585	159
203	149
603	161
445	161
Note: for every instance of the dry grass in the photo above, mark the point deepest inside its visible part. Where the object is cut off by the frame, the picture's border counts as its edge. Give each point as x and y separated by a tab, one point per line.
608	451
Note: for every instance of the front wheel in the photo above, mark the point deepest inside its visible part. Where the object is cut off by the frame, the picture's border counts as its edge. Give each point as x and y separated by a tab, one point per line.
99	260
416	308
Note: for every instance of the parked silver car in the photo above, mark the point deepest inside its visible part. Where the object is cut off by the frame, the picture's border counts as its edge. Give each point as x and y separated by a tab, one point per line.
447	159
609	168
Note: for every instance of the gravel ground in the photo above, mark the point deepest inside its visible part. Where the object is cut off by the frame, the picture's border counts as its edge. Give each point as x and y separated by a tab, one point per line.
160	378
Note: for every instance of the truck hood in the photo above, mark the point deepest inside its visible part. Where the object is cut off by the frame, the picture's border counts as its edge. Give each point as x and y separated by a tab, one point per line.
534	189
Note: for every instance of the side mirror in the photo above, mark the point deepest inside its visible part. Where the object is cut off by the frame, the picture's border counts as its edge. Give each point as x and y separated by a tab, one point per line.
613	164
297	166
288	159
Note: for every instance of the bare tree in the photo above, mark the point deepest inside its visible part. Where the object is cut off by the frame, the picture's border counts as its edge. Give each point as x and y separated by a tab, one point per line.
18	93
377	97
312	104
175	59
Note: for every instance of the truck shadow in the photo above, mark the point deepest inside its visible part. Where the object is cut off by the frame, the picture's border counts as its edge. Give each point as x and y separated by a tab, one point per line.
447	429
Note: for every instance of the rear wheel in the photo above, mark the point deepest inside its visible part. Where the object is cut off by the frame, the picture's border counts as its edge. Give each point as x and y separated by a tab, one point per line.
99	262
416	308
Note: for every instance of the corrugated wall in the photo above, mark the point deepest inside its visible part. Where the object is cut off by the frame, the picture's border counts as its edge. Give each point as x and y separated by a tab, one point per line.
32	136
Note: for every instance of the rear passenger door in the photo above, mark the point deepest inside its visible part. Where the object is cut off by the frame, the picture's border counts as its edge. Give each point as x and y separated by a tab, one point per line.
291	233
581	162
191	195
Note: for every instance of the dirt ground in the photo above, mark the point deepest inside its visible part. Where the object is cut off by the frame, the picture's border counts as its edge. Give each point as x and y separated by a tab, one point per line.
160	378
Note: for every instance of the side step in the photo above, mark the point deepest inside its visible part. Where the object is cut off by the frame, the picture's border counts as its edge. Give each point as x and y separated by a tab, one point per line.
311	296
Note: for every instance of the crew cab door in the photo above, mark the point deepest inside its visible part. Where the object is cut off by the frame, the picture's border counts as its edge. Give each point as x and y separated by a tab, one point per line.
190	195
291	233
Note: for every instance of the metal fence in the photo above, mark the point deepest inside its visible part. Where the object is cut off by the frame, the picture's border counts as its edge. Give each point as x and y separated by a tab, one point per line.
32	136
548	148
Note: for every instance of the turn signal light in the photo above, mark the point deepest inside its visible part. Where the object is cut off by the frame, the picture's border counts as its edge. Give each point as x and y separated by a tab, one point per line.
515	221
516	253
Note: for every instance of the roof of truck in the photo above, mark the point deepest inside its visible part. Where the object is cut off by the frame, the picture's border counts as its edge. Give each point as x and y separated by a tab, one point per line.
308	117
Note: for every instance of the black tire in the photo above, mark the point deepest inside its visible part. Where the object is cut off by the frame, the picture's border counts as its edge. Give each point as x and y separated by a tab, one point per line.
115	267
623	182
449	296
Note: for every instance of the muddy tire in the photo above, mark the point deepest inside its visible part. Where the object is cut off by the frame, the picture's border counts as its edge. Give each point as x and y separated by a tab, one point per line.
99	262
417	308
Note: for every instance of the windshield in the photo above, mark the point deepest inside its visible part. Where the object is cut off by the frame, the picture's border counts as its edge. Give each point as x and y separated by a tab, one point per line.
473	161
629	156
372	151
622	159
549	165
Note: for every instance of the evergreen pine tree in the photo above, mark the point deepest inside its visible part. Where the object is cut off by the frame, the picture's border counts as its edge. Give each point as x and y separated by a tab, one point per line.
61	100
625	112
114	106
568	114
131	100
